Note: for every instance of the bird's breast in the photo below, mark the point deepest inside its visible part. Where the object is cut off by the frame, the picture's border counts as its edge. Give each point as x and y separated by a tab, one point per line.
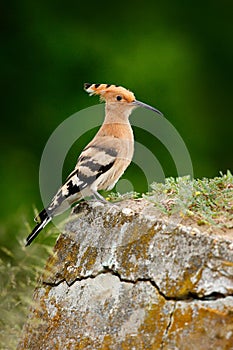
120	138
118	130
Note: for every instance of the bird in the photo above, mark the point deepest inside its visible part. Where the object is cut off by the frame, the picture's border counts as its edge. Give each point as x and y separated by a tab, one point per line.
104	160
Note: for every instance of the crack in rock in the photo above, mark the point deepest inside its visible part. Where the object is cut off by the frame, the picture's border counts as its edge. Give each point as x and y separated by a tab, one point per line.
168	326
186	298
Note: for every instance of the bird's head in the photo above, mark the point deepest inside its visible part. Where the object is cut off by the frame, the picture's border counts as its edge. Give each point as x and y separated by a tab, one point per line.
121	97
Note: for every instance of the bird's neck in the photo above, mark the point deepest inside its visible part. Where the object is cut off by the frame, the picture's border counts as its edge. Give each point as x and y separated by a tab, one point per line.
116	124
116	113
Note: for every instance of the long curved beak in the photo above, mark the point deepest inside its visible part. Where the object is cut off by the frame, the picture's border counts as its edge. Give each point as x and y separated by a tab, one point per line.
144	105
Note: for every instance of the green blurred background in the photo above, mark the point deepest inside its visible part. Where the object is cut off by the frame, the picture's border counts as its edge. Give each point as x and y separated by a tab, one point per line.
177	56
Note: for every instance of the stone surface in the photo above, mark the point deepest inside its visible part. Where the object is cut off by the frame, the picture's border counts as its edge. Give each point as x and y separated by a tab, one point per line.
127	277
96	312
201	325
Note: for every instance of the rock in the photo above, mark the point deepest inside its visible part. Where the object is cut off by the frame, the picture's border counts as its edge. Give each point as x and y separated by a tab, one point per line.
128	277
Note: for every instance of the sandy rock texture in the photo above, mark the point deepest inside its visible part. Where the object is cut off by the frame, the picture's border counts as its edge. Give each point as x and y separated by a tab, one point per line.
128	277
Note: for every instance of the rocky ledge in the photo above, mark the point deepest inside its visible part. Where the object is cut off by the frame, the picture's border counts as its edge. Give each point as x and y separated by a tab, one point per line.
128	277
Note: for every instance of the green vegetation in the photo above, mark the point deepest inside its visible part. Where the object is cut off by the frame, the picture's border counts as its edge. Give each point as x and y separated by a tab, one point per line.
19	270
207	201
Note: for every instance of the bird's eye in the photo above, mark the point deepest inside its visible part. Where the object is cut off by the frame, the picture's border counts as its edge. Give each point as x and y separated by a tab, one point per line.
119	98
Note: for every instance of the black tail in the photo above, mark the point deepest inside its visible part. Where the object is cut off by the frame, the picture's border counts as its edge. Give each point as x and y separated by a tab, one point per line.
44	220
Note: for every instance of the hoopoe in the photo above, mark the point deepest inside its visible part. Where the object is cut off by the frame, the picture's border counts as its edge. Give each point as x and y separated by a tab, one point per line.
103	160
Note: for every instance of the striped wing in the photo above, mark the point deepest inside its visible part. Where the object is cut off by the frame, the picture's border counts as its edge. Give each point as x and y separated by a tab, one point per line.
95	160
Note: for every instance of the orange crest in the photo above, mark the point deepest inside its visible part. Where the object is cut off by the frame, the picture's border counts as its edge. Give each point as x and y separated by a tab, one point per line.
110	92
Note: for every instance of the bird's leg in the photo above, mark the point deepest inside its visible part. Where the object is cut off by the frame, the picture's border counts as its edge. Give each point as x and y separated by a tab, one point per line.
99	198
111	206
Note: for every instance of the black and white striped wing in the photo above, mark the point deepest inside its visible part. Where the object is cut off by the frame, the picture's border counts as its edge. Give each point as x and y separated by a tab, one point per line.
94	161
